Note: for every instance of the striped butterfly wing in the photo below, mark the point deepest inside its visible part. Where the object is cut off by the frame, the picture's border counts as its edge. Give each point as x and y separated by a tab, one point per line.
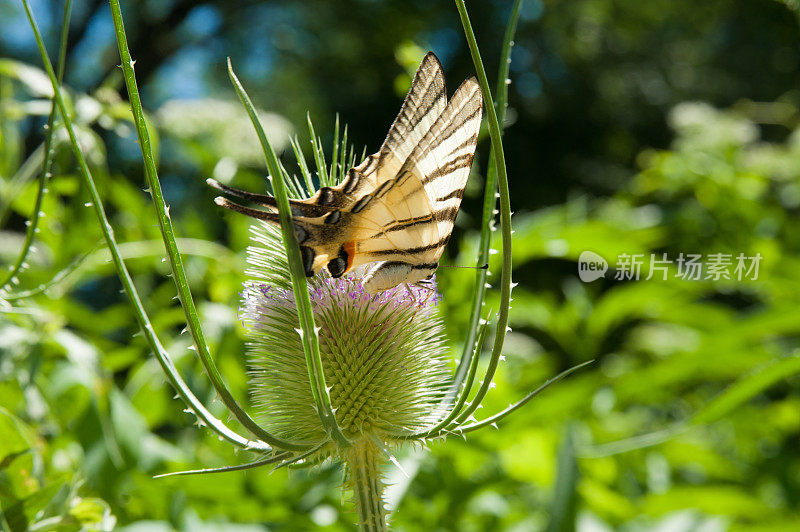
427	188
325	222
381	206
425	101
443	159
372	209
398	206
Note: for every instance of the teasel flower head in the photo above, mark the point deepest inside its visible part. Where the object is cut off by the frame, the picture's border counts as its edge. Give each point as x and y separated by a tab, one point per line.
382	354
382	376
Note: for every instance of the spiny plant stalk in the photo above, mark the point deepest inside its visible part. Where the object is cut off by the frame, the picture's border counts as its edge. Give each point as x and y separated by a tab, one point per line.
194	405
383	357
44	176
364	478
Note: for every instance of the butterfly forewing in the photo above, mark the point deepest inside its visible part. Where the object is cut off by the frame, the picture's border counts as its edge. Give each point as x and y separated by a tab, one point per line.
427	189
442	160
425	102
444	156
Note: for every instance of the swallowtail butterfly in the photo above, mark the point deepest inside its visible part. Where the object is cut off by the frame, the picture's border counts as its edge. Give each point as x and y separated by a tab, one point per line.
395	211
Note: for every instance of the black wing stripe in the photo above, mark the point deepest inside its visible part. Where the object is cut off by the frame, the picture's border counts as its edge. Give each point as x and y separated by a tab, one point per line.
454	126
352	182
449	167
409	118
360	204
418	249
385	187
407	222
444	214
457	193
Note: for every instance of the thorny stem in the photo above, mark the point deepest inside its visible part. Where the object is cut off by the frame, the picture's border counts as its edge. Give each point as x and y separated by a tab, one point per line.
364	460
505	216
125	278
489	204
48	160
308	331
176	263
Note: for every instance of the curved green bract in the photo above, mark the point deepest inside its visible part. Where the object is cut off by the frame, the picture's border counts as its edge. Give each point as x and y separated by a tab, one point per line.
308	331
489	203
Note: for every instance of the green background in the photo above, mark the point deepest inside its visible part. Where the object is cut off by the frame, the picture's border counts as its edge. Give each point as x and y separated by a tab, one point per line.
633	127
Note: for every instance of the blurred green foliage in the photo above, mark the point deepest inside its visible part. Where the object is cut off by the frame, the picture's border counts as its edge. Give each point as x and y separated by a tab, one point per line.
688	420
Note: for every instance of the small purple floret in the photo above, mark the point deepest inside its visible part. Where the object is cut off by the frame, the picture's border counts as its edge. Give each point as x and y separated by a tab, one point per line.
329	291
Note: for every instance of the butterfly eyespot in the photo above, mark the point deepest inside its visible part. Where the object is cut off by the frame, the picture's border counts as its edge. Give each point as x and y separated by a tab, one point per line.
325	196
337	267
360	204
333	218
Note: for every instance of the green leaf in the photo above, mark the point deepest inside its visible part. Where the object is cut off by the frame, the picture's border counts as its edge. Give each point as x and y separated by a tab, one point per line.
748	387
563	509
34	79
90	511
15	436
20	515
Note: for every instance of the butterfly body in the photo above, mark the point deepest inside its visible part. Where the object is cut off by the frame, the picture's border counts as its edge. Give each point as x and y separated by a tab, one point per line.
395	211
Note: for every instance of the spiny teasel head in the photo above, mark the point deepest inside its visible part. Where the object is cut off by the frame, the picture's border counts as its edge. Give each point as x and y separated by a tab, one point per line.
383	354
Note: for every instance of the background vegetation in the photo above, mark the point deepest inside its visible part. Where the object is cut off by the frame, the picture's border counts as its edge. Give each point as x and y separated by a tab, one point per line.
634	127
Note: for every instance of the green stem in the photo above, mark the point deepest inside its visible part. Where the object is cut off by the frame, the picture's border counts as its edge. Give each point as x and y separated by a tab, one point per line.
335	153
505	218
489	199
309	333
125	278
48	159
319	155
364	460
175	261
